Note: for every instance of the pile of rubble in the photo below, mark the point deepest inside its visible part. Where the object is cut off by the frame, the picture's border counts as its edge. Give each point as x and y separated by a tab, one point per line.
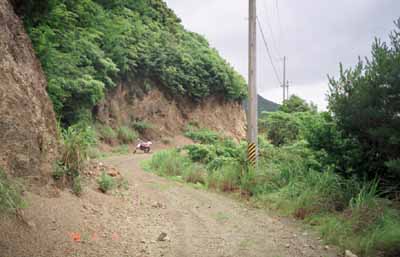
96	168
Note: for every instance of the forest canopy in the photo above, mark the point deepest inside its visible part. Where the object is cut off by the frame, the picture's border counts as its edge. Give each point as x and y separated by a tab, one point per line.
86	47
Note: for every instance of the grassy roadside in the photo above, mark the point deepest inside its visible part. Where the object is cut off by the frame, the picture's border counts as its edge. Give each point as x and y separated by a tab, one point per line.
347	213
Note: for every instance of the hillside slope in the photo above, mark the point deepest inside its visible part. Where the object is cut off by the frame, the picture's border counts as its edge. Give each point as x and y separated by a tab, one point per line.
89	48
265	105
27	121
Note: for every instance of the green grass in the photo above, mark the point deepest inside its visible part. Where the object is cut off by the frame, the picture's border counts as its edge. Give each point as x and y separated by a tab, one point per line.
126	135
10	194
106	133
120	150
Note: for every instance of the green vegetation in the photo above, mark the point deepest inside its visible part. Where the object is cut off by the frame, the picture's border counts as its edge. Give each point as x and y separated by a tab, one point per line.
87	47
126	135
295	177
201	135
365	104
106	134
141	126
106	182
77	142
10	194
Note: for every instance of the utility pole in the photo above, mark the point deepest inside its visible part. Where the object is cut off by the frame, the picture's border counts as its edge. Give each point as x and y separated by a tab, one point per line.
287	89
284	79
252	150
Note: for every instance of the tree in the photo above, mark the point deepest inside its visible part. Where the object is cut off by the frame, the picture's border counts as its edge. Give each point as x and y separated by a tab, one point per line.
365	102
296	104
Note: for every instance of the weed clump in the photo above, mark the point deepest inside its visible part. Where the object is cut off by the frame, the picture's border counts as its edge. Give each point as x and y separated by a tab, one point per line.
141	126
106	134
126	135
106	182
10	194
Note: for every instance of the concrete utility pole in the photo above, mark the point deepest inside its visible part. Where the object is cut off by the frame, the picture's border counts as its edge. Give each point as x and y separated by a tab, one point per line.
252	150
287	89
284	79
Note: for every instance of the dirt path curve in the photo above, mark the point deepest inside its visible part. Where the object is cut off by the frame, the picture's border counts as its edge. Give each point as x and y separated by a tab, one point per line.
197	223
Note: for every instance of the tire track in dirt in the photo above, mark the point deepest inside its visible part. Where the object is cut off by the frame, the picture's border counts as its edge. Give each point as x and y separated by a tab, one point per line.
202	223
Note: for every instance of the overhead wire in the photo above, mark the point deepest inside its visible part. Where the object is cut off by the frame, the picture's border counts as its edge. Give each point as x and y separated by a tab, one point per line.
274	41
268	52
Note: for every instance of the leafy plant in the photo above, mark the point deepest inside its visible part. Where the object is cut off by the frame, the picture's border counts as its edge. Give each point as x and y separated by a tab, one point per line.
106	182
77	141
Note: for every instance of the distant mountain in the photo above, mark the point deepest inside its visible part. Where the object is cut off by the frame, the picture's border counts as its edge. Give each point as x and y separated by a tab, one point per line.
264	105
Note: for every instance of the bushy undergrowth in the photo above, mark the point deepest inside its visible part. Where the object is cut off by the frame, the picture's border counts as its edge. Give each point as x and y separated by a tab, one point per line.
290	178
204	136
10	194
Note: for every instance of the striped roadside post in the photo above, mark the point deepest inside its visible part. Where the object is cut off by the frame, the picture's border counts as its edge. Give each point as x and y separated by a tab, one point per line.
252	154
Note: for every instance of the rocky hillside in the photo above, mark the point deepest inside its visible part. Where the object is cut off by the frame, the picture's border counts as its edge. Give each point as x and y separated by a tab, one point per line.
27	121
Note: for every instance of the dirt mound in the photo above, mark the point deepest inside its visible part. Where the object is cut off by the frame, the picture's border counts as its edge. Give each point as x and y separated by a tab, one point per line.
27	121
169	116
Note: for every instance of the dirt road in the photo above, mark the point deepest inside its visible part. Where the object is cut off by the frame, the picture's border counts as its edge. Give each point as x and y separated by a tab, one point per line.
195	222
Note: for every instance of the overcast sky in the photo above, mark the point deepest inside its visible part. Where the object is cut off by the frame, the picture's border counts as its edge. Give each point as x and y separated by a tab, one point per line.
315	35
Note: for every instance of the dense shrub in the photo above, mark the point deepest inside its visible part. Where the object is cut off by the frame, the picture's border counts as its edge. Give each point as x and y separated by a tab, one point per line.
204	136
282	128
201	153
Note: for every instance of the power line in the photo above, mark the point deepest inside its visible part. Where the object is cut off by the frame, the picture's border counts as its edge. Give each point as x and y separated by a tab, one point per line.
268	52
271	31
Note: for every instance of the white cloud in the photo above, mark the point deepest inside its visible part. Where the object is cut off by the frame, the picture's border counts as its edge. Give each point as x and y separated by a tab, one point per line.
315	35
